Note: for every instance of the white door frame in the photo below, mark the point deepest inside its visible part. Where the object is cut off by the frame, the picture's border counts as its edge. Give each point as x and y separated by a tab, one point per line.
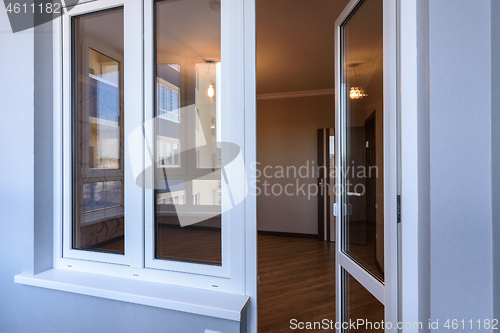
412	14
250	141
410	309
385	292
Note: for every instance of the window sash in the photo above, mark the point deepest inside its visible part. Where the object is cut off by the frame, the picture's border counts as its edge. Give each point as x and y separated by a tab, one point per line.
131	99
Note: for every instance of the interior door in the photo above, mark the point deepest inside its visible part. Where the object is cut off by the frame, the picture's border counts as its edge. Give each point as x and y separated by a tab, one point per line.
366	220
326	184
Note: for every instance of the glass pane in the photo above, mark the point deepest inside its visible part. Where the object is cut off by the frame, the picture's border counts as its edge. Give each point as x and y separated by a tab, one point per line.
104	131
363	227
101	195
207	192
208	115
98	220
188	154
361	307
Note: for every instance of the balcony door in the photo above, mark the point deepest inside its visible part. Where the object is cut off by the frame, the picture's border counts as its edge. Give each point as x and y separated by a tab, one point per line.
365	157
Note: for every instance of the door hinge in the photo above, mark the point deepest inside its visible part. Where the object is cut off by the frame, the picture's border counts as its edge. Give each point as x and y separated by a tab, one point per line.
399	208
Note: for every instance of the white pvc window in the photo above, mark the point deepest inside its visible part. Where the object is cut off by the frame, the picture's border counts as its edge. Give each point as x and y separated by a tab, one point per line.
111	156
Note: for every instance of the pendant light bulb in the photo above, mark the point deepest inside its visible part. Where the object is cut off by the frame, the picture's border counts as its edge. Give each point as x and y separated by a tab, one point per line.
357	93
211	91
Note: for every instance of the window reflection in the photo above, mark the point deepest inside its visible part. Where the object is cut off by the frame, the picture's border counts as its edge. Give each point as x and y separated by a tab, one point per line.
362	57
98	220
188	156
104	80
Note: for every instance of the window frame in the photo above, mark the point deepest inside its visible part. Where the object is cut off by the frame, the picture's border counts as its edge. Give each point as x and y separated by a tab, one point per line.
137	262
68	118
233	237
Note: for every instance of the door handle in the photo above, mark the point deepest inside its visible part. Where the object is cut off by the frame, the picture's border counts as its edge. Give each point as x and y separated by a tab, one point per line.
353	194
336	209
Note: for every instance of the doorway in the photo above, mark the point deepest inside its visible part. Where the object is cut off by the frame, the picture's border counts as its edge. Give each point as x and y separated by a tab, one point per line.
302	127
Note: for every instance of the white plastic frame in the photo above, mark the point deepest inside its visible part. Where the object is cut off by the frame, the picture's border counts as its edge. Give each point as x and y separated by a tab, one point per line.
132	101
137	263
385	292
230	275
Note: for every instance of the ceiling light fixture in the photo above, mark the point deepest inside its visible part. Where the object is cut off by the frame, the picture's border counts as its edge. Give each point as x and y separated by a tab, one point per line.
356	92
211	90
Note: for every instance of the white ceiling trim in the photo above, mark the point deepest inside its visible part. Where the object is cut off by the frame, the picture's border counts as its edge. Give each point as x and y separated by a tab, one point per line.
291	94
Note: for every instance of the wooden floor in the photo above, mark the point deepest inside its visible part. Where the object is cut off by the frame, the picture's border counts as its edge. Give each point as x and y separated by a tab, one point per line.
297	281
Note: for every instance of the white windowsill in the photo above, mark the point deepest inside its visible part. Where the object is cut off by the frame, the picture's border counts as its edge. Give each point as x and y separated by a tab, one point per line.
197	301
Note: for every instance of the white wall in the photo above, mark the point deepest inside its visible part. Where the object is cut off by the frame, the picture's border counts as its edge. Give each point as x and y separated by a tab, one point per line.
287	136
460	160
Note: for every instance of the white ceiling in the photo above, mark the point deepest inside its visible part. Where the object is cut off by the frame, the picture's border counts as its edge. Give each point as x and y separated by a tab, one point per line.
188	29
295	44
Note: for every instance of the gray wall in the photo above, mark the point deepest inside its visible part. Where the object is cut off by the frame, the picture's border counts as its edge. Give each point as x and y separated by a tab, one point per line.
423	130
495	149
460	160
25	210
287	136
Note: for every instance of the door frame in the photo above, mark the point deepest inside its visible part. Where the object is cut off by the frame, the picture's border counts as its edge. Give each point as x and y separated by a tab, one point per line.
386	292
409	18
414	300
249	322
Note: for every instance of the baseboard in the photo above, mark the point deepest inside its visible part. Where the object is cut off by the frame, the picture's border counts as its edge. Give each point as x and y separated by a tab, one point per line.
287	234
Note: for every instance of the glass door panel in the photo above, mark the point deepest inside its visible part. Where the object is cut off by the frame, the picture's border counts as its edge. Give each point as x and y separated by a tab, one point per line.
361	307
365	158
362	65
